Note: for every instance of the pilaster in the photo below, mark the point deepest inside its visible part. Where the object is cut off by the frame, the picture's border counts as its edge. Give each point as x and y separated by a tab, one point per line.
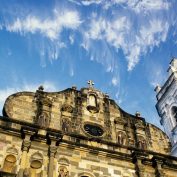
27	134
157	164
137	160
53	141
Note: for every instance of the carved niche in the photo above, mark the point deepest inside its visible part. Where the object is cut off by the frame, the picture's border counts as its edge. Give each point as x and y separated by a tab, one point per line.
36	163
65	125
92	102
63	168
121	138
44	120
67	108
142	143
10	160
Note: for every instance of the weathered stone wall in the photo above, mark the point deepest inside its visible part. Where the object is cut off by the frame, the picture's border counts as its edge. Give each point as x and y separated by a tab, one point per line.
69	111
79	133
75	157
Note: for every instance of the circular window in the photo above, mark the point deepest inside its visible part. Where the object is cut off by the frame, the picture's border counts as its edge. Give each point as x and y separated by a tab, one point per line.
93	130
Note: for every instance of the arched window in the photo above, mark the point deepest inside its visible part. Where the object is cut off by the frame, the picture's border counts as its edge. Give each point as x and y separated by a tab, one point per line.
174	112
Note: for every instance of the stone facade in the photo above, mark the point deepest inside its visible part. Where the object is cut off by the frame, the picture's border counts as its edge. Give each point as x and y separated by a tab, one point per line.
167	105
79	133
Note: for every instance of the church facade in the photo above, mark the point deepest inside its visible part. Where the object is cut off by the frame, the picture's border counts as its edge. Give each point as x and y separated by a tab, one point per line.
167	105
79	133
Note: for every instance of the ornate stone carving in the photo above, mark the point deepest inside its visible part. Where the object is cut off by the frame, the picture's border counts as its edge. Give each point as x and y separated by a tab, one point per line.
26	145
142	143
43	108
65	125
52	151
120	120
93	130
121	138
26	172
43	120
67	108
139	124
63	172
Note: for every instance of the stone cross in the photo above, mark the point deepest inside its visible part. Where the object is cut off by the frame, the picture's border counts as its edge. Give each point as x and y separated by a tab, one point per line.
90	83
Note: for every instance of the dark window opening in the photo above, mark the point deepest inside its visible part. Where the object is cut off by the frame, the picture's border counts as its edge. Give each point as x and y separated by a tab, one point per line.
174	112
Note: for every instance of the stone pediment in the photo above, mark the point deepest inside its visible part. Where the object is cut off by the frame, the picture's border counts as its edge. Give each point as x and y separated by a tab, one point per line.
67	111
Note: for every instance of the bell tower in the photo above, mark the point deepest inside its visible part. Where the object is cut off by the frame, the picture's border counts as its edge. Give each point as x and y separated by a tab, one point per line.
167	104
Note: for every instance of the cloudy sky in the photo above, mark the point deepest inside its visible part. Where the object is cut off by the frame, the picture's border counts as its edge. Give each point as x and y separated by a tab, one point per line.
124	46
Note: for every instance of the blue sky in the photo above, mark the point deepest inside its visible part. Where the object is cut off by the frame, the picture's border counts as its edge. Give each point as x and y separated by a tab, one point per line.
124	46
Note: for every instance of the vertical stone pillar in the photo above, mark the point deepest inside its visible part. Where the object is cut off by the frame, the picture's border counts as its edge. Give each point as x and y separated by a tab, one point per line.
53	140
26	135
157	164
52	152
25	148
137	160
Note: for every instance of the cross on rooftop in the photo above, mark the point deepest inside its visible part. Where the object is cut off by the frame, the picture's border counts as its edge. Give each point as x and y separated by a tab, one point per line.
90	83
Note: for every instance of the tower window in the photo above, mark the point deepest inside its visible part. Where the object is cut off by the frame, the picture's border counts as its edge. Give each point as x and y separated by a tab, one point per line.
174	112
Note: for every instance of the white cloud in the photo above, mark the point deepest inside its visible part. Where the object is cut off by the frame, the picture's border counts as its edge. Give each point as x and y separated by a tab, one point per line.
71	38
135	5
89	2
156	75
133	33
121	34
147	5
114	81
50	27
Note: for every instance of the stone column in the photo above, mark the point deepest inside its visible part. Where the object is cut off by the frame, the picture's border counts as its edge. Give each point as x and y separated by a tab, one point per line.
52	152
53	140
157	164
25	148
26	135
137	160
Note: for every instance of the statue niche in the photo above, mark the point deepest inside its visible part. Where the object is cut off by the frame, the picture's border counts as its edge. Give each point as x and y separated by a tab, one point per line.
65	125
43	120
121	138
142	143
63	167
92	103
43	111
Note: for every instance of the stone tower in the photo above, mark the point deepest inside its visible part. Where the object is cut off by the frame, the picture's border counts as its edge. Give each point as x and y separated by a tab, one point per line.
167	105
